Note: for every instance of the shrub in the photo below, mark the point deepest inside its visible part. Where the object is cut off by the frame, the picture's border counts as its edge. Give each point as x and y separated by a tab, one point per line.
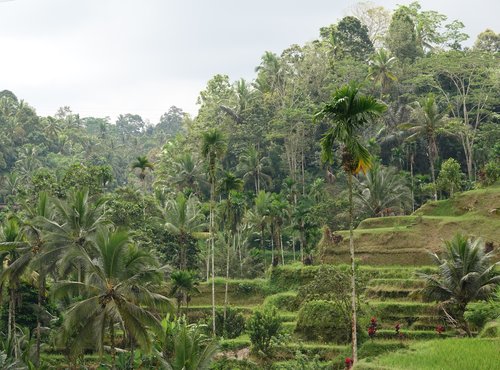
233	326
283	301
324	320
490	173
450	176
263	327
479	313
331	283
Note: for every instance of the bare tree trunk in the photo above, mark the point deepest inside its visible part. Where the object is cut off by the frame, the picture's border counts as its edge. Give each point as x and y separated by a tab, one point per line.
227	280
282	251
113	349
293	248
208	261
239	253
212	192
433	175
353	276
41	292
412	184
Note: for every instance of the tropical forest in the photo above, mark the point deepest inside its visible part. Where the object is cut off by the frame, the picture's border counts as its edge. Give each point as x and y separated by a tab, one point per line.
339	210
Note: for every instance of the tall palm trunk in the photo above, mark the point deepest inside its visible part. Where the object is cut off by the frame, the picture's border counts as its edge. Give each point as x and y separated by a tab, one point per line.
12	321
41	293
112	339
353	275
433	176
212	240
226	289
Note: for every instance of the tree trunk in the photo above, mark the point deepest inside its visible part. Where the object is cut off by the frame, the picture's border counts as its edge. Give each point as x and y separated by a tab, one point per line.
132	352
412	184
282	251
208	261
227	281
112	339
41	292
212	240
353	276
433	176
239	253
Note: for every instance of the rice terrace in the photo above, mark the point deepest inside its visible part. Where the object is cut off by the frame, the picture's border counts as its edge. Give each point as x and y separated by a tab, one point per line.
225	185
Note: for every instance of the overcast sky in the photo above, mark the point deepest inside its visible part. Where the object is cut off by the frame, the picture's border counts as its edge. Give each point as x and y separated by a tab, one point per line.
106	57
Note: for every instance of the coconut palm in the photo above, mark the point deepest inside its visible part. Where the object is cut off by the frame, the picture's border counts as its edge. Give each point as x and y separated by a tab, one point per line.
142	163
381	191
119	290
381	70
349	110
228	185
184	346
254	167
278	213
187	173
183	219
465	273
29	249
259	215
12	246
184	284
76	221
425	123
213	147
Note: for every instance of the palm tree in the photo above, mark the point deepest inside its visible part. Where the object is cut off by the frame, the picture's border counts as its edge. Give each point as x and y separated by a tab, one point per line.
254	167
184	284
465	273
35	243
120	289
349	110
278	213
76	221
187	173
11	247
381	70
184	346
259	215
142	163
228	185
382	190
213	147
426	122
183	218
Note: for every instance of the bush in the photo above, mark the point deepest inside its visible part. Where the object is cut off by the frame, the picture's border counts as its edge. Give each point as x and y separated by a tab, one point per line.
233	326
283	301
263	327
490	173
479	313
324	320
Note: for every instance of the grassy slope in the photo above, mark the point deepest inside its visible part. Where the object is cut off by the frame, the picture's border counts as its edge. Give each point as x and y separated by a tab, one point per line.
448	354
405	240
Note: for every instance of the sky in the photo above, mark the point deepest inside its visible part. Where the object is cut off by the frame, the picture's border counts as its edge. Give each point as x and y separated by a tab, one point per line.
110	57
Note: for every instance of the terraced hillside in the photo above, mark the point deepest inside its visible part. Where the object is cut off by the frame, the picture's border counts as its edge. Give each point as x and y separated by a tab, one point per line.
390	295
406	240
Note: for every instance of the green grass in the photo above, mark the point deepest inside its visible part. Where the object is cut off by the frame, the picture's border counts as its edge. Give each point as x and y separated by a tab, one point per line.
442	354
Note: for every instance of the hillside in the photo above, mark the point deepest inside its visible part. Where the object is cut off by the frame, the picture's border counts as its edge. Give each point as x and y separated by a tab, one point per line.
406	240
